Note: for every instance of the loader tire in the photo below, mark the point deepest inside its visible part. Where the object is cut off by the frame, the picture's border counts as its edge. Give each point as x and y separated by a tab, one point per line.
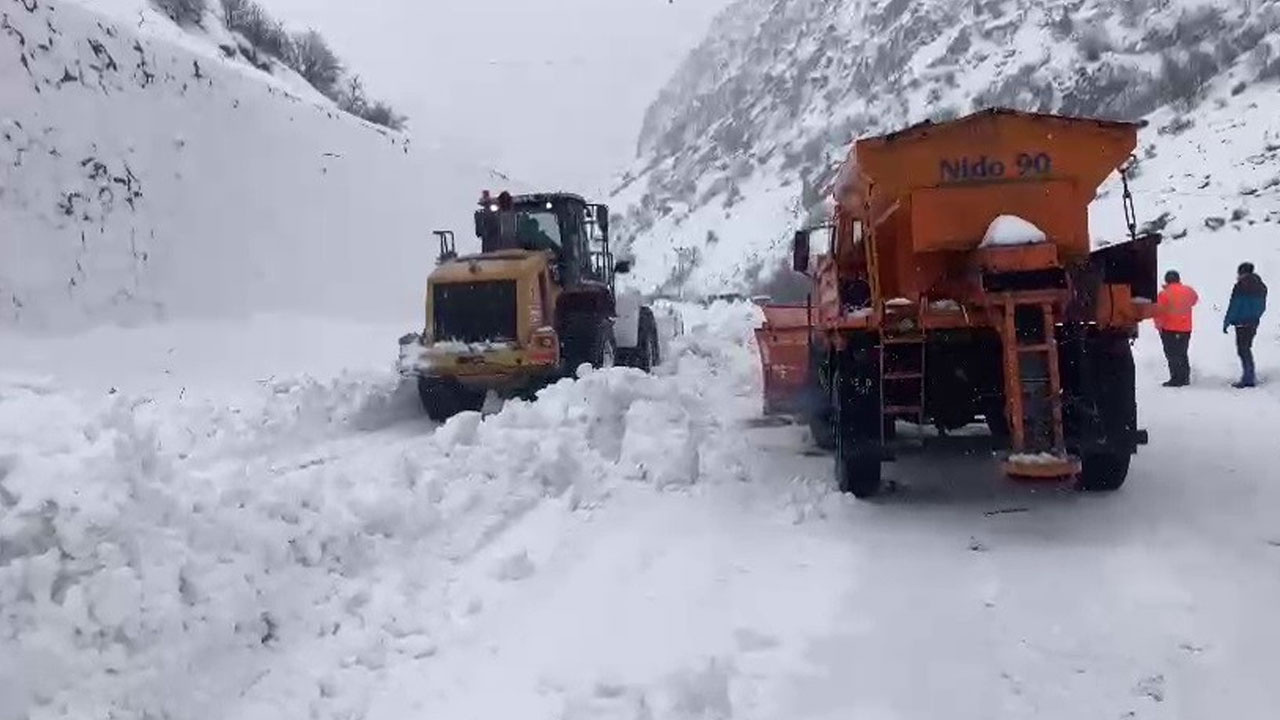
645	355
588	339
1103	472
442	399
858	423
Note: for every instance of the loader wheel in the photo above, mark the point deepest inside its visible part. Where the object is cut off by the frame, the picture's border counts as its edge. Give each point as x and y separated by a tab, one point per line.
1103	472
588	339
998	424
644	356
858	423
443	399
604	353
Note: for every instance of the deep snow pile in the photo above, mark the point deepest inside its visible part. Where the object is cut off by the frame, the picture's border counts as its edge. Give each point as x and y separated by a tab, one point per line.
144	176
163	557
1012	230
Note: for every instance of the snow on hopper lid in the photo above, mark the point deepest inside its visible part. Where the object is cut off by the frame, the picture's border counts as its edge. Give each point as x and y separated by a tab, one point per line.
1008	230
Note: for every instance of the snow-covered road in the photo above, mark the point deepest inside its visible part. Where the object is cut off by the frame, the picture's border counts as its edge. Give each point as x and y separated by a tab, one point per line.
278	534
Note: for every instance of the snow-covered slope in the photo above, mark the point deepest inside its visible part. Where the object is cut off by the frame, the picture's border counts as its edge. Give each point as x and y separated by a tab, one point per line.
144	176
741	146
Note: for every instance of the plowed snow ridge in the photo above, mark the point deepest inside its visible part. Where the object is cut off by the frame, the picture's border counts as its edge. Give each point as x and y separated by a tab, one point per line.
204	553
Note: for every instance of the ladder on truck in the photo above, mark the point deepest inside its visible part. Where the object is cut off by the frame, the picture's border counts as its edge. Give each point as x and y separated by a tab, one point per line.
1033	383
902	379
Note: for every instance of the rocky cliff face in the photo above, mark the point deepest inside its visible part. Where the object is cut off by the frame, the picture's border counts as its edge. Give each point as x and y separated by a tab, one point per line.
743	142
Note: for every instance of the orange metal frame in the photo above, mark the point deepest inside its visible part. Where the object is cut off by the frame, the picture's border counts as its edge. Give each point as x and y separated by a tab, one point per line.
922	200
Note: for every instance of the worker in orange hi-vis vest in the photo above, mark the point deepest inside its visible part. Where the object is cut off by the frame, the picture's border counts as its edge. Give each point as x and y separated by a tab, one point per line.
1173	320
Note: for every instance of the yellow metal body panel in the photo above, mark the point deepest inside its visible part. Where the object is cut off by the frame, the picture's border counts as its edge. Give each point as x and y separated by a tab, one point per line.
500	366
536	294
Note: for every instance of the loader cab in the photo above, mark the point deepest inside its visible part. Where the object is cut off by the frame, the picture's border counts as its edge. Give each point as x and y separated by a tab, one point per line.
573	231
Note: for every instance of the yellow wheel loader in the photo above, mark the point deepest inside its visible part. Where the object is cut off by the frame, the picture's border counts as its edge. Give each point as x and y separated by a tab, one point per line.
536	303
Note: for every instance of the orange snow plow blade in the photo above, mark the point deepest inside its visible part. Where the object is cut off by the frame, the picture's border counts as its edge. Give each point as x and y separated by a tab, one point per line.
783	342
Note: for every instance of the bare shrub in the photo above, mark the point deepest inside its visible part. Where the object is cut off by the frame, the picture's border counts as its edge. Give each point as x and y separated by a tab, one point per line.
313	59
263	32
183	12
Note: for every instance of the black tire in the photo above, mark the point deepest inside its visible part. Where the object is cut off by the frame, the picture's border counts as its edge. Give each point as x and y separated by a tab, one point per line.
821	417
645	355
604	351
1103	472
858	424
1103	381
860	475
824	435
587	339
998	424
818	403
442	399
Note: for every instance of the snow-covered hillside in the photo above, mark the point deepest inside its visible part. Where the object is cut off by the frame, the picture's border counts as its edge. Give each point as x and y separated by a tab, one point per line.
741	146
146	175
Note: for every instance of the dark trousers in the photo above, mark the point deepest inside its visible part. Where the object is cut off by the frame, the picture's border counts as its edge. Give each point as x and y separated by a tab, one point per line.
1244	347
1175	351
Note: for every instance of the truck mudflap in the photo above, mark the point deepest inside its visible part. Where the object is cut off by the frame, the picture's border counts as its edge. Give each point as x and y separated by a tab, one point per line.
783	343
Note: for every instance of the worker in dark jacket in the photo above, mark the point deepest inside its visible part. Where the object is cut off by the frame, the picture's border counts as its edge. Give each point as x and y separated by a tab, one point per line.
1173	320
1248	303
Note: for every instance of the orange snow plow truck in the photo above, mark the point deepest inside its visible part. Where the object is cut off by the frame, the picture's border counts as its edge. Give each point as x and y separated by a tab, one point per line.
954	284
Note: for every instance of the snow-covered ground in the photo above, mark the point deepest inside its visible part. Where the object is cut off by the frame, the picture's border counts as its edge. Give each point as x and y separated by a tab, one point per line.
246	516
287	537
145	177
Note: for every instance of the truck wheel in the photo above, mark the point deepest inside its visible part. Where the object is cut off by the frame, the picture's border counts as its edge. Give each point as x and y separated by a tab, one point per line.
998	424
820	428
1105	466
858	424
859	474
818	408
442	399
1103	472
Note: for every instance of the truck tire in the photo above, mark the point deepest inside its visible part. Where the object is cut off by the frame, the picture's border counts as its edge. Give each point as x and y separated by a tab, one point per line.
818	408
442	399
1105	464
820	428
858	474
645	355
858	423
1103	472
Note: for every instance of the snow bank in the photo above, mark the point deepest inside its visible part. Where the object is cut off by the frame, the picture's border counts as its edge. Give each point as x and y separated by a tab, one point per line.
1007	230
176	559
146	179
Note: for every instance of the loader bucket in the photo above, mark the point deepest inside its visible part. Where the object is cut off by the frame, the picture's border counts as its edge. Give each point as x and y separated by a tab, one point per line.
783	342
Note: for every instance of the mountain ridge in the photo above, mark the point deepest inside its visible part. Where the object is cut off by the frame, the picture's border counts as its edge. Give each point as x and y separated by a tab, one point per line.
742	144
